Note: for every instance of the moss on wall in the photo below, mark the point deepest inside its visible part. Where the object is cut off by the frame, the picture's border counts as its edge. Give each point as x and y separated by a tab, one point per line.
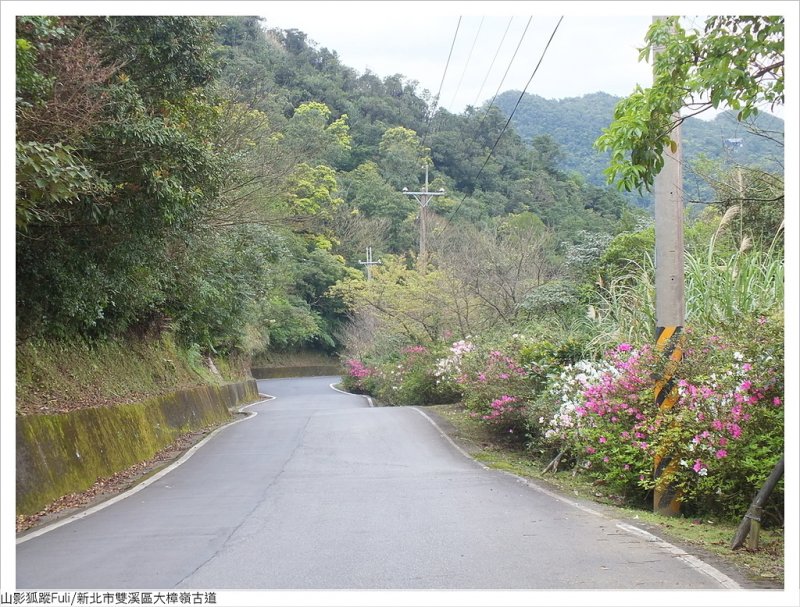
66	453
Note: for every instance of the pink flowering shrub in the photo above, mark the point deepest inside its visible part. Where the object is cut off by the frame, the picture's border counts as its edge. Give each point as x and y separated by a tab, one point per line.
358	377
724	433
496	388
410	378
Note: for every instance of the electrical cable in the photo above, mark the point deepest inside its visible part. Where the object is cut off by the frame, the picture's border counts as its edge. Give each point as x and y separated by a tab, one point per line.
428	130
466	65
491	65
441	84
499	86
536	69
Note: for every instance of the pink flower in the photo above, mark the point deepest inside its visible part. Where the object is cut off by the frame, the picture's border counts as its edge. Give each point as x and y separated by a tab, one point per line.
776	401
698	465
591	450
624	347
602	439
721	453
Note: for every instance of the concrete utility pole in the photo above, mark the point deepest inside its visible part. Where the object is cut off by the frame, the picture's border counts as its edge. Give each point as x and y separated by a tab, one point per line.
369	263
670	300
423	198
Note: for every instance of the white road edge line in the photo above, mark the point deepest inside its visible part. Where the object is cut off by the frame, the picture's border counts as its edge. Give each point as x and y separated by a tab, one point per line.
145	483
369	400
448	439
691	561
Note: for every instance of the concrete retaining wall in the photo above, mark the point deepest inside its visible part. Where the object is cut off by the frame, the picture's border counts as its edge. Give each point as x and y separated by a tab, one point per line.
295	371
67	453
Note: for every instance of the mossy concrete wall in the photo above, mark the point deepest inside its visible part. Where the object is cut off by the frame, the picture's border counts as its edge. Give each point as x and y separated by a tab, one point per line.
295	371
67	453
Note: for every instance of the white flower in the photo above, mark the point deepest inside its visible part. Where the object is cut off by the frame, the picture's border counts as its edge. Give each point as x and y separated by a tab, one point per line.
703	472
738	356
541	420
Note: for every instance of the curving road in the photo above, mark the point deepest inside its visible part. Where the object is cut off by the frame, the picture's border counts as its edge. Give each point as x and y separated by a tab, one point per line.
321	491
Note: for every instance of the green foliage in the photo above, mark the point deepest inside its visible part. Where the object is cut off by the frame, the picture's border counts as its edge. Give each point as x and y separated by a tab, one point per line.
626	250
160	205
406	302
165	56
54	375
552	298
217	182
50	179
35	36
735	61
409	377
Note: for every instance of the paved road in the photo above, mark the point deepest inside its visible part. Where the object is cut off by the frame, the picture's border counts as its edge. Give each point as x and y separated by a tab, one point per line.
319	490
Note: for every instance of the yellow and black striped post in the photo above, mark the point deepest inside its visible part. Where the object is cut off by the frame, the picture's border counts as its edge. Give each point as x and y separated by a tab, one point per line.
669	342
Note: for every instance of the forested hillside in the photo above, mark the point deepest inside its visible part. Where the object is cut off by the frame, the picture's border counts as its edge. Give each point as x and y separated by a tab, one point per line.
213	179
575	124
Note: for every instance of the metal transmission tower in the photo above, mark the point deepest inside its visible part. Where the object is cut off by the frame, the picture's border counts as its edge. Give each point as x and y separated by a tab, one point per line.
369	263
423	198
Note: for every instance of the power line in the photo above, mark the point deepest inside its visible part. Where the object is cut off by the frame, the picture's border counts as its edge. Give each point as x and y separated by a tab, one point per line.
441	84
519	44
466	65
522	94
499	86
489	71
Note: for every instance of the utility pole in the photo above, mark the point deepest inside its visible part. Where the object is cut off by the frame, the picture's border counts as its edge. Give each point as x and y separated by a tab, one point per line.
423	198
670	302
369	263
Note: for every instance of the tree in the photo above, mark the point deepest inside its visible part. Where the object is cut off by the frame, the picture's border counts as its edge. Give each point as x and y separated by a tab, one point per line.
734	61
114	161
401	157
499	266
402	301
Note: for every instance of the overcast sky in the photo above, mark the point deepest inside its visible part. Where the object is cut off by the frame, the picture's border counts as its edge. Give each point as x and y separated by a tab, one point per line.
587	53
593	49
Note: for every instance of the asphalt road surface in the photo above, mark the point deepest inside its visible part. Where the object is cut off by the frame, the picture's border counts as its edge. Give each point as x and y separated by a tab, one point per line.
320	490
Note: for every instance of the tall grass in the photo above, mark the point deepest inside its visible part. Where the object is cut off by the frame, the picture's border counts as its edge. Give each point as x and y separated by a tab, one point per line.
625	310
721	292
